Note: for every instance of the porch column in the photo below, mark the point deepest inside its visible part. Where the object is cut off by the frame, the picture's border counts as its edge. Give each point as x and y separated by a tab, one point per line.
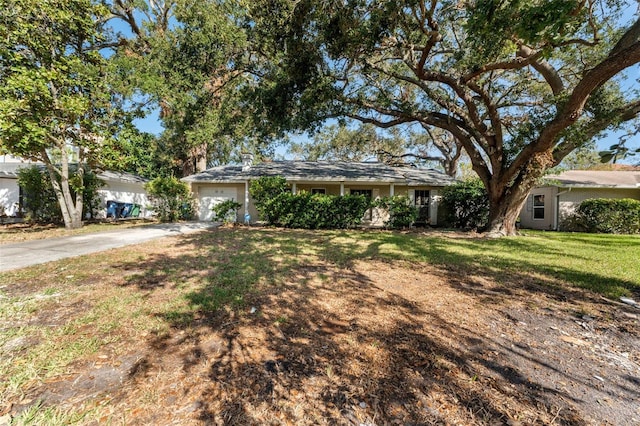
341	188
392	188
433	206
247	216
293	188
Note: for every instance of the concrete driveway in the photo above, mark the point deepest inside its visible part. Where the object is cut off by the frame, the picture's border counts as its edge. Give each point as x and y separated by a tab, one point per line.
20	255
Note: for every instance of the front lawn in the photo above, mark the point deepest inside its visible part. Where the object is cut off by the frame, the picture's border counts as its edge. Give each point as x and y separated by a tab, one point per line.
272	326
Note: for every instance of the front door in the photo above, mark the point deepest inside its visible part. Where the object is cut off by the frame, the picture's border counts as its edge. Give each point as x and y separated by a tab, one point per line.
421	201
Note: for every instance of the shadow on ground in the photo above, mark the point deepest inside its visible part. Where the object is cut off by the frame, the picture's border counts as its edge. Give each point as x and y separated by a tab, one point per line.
287	327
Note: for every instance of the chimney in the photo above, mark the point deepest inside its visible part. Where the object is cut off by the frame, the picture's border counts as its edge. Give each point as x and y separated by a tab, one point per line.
247	161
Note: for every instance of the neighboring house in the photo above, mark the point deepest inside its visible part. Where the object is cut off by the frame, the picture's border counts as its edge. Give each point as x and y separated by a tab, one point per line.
119	187
123	188
9	189
550	204
373	180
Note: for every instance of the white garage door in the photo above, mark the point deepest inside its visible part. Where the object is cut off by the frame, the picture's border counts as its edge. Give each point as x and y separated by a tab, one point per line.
209	197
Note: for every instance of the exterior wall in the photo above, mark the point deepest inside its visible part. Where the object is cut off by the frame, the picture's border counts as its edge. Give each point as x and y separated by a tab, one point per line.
561	203
123	192
547	222
208	194
9	197
569	201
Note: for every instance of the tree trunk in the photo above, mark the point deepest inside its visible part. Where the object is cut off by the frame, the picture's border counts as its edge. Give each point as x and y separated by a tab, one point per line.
505	205
503	214
72	218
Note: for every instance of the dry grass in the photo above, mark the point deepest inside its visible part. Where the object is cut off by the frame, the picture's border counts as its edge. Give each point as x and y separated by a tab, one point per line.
251	326
19	232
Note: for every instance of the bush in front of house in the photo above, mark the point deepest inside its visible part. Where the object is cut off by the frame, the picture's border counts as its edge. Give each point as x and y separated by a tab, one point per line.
278	206
39	201
402	212
316	211
226	211
466	204
609	216
263	190
170	199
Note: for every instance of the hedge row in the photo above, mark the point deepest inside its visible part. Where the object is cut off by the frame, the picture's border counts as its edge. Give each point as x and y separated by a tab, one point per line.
315	211
610	216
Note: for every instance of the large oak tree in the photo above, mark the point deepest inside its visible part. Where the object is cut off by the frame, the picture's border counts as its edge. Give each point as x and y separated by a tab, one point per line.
520	84
188	58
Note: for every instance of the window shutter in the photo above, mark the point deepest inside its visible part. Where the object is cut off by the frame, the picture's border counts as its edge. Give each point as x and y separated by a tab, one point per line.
412	195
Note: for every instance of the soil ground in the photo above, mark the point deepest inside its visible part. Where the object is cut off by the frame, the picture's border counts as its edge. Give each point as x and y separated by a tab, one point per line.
369	341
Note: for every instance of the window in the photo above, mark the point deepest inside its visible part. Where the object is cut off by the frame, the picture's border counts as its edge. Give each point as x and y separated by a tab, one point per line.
318	191
421	201
538	206
366	192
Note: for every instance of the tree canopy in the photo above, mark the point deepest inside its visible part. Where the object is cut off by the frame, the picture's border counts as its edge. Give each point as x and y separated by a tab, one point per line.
518	84
56	103
190	59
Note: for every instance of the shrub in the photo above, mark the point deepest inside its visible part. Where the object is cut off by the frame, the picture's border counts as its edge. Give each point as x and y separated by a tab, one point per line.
278	206
402	213
170	199
226	211
263	190
39	200
316	211
466	204
610	216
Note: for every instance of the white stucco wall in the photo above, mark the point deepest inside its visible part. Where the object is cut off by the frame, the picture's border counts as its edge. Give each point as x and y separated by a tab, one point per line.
9	196
123	192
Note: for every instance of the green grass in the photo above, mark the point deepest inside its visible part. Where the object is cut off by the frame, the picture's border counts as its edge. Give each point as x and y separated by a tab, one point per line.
606	264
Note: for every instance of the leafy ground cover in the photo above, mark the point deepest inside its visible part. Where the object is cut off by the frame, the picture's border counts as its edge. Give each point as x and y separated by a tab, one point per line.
266	326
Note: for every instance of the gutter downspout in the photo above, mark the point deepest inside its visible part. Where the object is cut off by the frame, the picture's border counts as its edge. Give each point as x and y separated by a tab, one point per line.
556	217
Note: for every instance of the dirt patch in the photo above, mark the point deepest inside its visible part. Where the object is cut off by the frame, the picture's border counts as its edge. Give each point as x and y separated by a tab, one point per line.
368	343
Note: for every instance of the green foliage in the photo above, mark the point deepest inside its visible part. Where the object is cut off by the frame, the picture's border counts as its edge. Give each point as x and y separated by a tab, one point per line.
491	23
402	213
226	211
263	190
55	93
316	211
610	216
39	200
188	57
466	204
617	152
170	198
278	206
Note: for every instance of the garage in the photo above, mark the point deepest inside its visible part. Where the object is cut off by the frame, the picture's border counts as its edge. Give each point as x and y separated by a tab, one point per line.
211	196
